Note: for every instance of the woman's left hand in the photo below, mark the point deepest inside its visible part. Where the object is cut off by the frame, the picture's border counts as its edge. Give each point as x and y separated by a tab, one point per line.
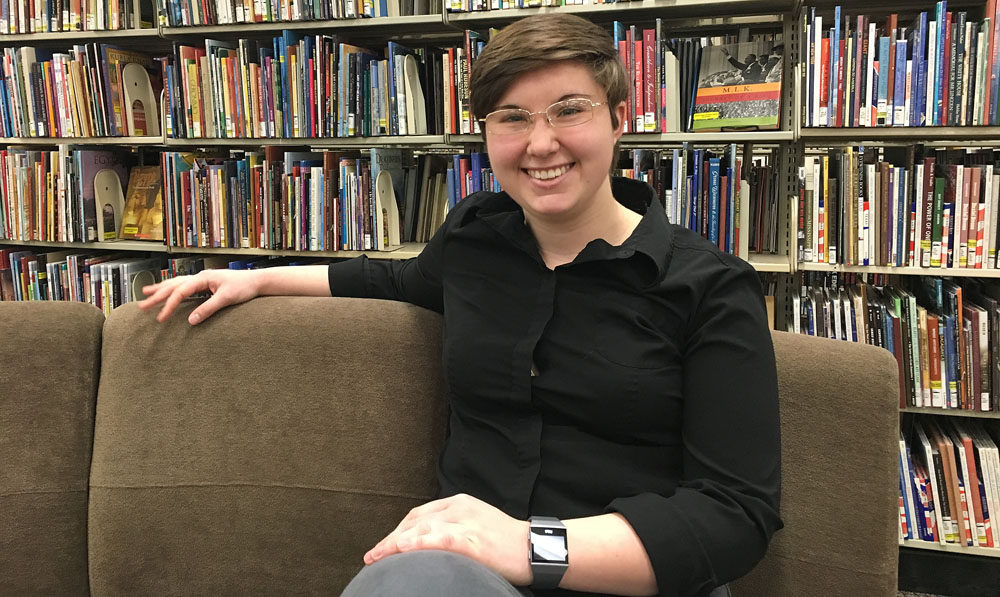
464	525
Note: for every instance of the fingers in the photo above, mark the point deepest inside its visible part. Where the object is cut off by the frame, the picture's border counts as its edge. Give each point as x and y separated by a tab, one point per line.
181	292
425	535
208	308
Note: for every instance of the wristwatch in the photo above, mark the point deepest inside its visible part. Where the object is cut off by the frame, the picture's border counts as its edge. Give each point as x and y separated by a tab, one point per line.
548	551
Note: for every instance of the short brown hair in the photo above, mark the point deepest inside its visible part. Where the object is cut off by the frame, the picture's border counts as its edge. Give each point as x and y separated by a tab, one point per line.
541	40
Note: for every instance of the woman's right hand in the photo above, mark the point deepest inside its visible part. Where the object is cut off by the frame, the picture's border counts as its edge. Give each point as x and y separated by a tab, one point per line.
228	287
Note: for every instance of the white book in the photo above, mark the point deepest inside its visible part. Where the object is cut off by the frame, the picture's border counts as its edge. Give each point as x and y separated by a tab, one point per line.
867	107
989	471
818	117
849	331
921	254
961	219
902	116
315	207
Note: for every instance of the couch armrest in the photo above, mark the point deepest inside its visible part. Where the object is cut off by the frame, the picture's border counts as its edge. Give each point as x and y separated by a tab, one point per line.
263	451
49	366
840	445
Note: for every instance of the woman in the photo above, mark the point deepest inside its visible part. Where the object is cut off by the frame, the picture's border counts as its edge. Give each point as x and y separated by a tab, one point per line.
606	370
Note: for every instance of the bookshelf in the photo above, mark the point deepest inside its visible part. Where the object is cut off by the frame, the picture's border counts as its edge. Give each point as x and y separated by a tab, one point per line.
990	552
682	15
890	134
794	141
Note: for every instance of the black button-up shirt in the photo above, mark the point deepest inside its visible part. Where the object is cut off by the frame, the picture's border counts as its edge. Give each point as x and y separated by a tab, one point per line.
637	379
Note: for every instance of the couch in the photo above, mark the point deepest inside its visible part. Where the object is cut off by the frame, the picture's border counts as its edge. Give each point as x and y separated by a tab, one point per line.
264	451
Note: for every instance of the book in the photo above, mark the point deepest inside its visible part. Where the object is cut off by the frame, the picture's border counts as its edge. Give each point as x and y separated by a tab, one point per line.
739	87
143	216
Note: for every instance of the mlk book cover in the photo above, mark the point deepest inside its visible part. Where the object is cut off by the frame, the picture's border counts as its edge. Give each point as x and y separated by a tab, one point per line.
739	87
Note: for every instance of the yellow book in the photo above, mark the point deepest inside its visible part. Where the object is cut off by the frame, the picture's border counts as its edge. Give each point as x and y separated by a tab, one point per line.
194	97
293	86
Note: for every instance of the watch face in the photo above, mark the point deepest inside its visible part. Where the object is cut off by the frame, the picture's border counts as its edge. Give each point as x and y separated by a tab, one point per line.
548	545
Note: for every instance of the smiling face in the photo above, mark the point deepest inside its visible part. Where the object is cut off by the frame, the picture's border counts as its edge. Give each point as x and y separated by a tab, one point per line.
556	174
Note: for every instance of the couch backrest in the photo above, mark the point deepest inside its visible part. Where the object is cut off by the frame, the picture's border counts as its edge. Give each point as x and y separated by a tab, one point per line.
839	453
49	368
263	451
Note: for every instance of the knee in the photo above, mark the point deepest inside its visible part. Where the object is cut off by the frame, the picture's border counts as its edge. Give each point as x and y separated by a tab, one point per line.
425	572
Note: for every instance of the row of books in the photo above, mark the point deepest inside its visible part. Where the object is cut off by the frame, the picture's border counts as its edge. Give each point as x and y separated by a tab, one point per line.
183	13
949	482
942	70
727	195
275	199
483	5
900	206
945	336
79	93
700	84
314	201
48	16
309	86
80	195
106	279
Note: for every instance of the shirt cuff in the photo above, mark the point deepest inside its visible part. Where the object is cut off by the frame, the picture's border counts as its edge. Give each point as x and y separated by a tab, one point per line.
349	278
674	551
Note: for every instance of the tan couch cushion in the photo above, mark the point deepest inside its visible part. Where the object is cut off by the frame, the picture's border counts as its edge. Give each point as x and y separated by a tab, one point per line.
264	451
48	383
839	444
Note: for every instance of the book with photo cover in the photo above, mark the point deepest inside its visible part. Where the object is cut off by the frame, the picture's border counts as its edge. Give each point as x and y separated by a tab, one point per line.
739	87
143	217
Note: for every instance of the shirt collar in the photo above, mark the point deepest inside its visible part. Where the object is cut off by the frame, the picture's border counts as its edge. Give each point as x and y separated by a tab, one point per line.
652	238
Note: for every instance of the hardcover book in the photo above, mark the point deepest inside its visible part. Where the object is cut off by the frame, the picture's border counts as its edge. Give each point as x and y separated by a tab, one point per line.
739	87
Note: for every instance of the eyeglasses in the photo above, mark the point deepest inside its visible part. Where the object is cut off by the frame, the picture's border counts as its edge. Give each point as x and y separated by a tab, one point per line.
513	121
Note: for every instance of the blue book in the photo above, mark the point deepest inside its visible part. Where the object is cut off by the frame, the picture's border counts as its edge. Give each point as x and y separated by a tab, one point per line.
714	184
951	362
395	50
898	107
882	92
901	486
994	80
939	74
922	71
453	187
286	113
476	168
917	527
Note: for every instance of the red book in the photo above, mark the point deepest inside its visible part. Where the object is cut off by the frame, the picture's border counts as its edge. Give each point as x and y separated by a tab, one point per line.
824	80
623	54
841	60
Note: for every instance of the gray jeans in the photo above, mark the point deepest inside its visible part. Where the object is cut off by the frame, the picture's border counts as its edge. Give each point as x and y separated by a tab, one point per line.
438	574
